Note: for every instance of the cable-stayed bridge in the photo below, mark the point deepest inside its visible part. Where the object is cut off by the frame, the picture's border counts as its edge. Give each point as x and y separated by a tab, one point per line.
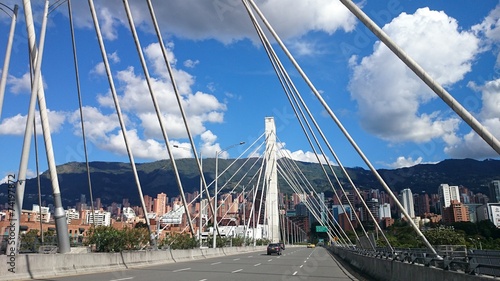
266	217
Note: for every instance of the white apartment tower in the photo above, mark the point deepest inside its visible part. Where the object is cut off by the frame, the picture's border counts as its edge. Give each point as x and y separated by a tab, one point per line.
446	194
384	211
406	199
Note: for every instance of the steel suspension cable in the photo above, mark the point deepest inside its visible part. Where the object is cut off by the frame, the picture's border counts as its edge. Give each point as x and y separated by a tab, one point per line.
238	183
242	178
309	206
153	239
159	115
335	224
342	128
80	107
311	190
177	95
255	189
286	81
8	49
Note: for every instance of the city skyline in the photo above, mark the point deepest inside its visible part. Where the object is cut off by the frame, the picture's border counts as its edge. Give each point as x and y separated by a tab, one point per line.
227	84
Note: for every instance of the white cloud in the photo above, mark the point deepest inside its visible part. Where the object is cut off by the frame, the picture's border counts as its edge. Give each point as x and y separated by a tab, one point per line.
390	96
113	57
403	162
21	84
29	174
471	145
191	63
108	23
302	156
99	69
15	125
303	48
140	115
489	28
97	124
209	146
223	20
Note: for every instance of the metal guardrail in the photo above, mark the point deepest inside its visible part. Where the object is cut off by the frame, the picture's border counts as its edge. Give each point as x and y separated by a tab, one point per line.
450	257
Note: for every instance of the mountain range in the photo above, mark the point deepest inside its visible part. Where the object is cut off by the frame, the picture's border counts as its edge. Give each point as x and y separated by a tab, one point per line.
113	181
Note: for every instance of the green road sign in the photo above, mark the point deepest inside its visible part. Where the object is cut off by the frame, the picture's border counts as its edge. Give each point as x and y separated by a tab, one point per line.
320	228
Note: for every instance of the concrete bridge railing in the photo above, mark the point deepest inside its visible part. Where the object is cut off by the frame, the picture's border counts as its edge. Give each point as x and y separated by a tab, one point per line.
392	269
31	266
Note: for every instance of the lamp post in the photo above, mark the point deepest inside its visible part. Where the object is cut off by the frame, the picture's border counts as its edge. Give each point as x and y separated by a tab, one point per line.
217	153
200	218
244	218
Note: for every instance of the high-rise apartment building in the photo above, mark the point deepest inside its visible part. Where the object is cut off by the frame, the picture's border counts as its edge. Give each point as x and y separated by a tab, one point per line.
446	194
456	212
490	211
495	191
160	203
422	204
406	199
384	211
148	201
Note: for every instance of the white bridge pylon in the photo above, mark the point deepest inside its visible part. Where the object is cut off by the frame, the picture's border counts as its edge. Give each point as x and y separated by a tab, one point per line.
271	181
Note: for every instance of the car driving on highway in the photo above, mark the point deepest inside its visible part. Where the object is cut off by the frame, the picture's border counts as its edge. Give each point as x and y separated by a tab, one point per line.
274	248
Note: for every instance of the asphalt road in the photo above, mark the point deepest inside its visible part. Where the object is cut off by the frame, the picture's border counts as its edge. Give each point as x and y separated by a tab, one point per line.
294	265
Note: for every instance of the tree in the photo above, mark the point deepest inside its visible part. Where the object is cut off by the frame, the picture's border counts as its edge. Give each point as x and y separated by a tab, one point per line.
179	241
444	236
110	239
469	228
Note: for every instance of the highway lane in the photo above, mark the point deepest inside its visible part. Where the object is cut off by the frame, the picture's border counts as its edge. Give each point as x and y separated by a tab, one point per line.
295	264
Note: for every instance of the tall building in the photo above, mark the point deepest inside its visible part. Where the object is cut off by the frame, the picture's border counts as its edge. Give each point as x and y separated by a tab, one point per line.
159	204
472	207
406	199
98	204
490	211
495	191
446	194
422	204
342	217
71	214
384	211
456	212
373	206
101	217
148	201
296	199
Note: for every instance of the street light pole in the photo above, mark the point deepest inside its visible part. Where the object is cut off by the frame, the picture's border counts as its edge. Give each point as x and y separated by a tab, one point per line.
200	219
244	219
200	228
217	153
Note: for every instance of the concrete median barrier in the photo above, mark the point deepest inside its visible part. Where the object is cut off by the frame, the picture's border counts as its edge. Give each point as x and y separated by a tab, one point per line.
37	266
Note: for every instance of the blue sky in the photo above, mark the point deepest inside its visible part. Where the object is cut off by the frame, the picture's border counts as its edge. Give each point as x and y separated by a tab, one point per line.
228	85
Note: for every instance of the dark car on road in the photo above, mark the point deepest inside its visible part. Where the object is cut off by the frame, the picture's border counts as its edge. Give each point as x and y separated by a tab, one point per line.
274	248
